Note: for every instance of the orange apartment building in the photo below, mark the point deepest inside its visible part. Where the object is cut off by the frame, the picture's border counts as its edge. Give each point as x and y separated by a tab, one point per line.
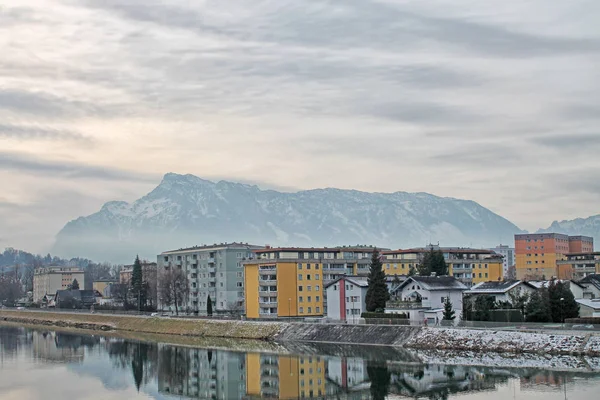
539	255
290	282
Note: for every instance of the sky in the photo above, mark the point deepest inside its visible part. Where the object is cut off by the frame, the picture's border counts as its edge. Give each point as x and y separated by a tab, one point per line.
497	102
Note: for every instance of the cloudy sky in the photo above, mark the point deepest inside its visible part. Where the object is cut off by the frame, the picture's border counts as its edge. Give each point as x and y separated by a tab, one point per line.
498	102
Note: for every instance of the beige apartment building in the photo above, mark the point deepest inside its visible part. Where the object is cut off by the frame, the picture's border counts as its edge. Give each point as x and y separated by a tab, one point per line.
48	280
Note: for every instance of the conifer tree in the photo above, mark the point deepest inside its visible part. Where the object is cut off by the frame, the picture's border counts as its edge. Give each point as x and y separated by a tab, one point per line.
377	291
433	262
74	285
449	314
137	283
209	306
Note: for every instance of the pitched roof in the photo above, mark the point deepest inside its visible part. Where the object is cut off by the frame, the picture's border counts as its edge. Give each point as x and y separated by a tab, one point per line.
593	279
497	286
436	283
361	281
595	304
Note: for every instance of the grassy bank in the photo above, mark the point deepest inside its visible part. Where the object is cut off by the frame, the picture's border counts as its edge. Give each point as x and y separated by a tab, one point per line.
165	326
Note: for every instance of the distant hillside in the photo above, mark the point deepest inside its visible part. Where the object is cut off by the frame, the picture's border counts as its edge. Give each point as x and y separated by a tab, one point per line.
11	257
581	226
185	210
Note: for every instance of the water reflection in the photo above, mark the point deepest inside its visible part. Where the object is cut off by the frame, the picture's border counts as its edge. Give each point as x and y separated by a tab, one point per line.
338	372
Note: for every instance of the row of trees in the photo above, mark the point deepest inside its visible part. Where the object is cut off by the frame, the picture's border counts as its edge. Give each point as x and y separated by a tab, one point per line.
554	303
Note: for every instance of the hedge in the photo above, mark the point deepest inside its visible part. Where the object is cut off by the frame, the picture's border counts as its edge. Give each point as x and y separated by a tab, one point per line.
367	315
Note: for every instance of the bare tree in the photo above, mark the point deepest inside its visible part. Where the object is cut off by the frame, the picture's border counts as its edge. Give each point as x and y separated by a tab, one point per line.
235	308
173	288
151	281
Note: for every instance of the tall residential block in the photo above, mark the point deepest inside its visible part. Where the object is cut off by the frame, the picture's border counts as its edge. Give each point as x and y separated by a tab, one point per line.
470	266
216	271
538	254
48	280
289	282
580	265
509	259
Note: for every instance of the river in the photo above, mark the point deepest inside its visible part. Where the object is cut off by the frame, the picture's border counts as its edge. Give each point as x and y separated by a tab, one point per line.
47	364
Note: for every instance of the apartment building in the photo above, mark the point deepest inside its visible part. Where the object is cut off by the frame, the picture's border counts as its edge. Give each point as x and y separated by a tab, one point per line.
508	257
470	266
289	282
216	271
48	280
577	266
538	255
148	269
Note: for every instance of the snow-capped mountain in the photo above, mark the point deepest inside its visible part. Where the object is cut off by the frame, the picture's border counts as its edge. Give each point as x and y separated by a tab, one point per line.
185	210
581	226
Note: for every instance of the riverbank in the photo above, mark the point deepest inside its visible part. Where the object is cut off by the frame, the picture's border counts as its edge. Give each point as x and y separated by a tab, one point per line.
418	338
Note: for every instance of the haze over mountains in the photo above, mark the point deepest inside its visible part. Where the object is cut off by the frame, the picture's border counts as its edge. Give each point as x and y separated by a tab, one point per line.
580	226
184	210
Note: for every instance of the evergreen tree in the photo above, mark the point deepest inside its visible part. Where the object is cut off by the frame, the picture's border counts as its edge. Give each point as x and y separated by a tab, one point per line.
74	285
449	314
433	262
483	306
380	378
209	306
538	307
562	309
377	291
137	283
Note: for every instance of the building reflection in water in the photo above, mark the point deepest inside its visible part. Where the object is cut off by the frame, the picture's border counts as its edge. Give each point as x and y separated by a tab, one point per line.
186	372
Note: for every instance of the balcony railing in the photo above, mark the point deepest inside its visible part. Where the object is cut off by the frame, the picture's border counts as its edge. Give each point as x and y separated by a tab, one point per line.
268	293
404	304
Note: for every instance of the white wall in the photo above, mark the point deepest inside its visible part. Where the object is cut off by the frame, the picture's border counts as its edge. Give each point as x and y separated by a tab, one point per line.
334	305
433	299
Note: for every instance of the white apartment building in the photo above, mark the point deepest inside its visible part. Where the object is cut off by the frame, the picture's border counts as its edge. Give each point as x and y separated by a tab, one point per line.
346	298
216	271
508	253
48	280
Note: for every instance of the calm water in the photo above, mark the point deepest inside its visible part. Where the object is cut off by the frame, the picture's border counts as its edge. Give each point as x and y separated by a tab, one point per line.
44	364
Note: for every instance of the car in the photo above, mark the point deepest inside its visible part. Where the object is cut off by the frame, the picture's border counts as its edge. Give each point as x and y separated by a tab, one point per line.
154	314
20	308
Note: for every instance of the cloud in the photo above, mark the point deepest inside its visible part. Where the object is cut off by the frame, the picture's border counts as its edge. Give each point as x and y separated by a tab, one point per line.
583	141
68	170
37	132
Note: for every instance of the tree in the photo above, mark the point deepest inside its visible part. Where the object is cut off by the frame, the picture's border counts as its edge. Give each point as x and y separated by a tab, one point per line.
449	314
380	378
518	300
377	291
235	309
482	308
74	285
137	284
538	307
10	289
565	308
209	307
173	289
433	262
151	288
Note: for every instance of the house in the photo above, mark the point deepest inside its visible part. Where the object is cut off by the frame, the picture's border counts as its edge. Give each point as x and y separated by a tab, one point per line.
422	297
346	298
589	308
591	283
75	298
576	288
501	291
101	284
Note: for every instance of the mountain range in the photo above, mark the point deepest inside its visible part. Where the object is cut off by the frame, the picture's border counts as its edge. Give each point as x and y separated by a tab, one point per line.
185	210
580	226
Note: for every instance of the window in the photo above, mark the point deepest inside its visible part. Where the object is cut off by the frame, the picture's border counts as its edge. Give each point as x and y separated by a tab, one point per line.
443	299
318	309
318	299
486	274
335	287
309	288
221	284
240	284
221	275
316	277
480	274
240	274
310	310
301	299
309	299
308	277
299	266
316	266
387	266
302	372
301	310
300	288
299	277
307	266
317	288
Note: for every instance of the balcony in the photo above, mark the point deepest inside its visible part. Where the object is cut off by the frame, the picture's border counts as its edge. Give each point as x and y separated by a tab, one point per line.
268	304
268	294
267	281
212	279
211	260
267	271
178	263
212	270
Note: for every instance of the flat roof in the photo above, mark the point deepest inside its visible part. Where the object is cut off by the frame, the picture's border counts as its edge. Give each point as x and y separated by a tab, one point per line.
320	249
214	246
453	250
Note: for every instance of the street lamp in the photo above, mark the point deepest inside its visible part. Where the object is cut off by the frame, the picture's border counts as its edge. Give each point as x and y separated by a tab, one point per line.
562	319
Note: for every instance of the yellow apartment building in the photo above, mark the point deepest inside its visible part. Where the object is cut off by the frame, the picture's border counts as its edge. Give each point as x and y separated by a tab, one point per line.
285	377
289	282
470	266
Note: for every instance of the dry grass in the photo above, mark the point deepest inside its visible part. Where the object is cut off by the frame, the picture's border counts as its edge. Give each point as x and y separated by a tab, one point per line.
166	326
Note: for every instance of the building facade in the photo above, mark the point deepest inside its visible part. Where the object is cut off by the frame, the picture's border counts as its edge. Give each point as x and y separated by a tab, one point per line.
216	271
289	282
148	268
538	255
508	257
470	266
346	298
580	265
48	280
